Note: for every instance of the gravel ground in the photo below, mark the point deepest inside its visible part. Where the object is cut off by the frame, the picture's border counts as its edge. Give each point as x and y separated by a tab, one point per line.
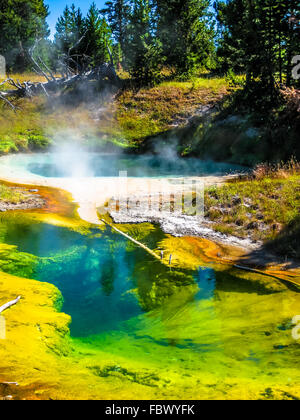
176	224
31	200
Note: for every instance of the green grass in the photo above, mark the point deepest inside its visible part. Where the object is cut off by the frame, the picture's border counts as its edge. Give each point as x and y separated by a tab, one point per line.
155	110
261	209
214	84
126	121
11	195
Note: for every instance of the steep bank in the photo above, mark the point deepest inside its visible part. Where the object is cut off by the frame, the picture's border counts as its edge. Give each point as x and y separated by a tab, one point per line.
264	209
124	120
206	117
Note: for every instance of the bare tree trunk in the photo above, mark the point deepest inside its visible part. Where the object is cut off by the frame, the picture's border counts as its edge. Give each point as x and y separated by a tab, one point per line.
9	304
53	85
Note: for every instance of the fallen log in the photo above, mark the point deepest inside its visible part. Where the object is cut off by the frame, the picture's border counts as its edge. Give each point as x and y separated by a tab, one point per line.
69	78
263	273
9	383
9	304
152	253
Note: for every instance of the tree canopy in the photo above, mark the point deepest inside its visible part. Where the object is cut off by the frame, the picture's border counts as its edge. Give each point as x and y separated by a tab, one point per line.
21	23
258	38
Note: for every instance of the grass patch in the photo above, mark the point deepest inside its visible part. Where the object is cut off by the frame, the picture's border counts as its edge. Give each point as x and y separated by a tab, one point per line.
125	120
263	207
171	109
11	195
156	110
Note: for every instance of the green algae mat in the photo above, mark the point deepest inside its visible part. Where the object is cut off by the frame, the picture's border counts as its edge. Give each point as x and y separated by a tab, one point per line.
100	319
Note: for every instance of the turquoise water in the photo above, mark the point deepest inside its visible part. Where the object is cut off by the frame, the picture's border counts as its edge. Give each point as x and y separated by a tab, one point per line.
94	273
83	164
179	328
106	280
168	329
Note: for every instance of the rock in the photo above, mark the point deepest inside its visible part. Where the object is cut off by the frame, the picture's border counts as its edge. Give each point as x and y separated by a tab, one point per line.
236	200
247	202
254	207
276	227
252	225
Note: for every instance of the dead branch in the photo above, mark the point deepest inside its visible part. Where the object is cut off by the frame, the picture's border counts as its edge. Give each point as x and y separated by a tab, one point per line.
77	44
35	63
110	56
47	68
69	77
9	304
9	383
7	102
134	241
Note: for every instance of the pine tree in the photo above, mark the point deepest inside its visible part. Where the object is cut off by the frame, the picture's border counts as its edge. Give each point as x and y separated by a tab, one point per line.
21	23
143	50
185	31
98	36
118	13
292	24
259	38
69	29
234	44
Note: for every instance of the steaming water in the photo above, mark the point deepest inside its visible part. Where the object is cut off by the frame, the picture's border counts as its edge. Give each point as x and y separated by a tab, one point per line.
212	326
80	164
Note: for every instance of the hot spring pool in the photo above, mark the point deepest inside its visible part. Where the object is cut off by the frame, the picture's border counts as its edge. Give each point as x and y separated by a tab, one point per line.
140	329
184	333
97	273
77	165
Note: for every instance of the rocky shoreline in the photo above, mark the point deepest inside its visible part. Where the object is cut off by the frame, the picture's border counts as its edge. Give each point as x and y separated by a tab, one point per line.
253	254
177	224
31	200
180	226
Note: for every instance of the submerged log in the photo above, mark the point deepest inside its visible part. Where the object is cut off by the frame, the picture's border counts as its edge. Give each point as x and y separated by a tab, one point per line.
134	241
9	304
263	273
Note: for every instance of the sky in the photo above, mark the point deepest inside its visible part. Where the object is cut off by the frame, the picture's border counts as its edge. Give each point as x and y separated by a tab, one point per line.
56	8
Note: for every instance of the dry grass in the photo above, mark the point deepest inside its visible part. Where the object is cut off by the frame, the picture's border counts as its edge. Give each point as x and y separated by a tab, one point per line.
293	98
23	77
156	110
276	171
264	207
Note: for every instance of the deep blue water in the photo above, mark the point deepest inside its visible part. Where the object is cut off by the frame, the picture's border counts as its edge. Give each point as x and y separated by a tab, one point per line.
104	279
